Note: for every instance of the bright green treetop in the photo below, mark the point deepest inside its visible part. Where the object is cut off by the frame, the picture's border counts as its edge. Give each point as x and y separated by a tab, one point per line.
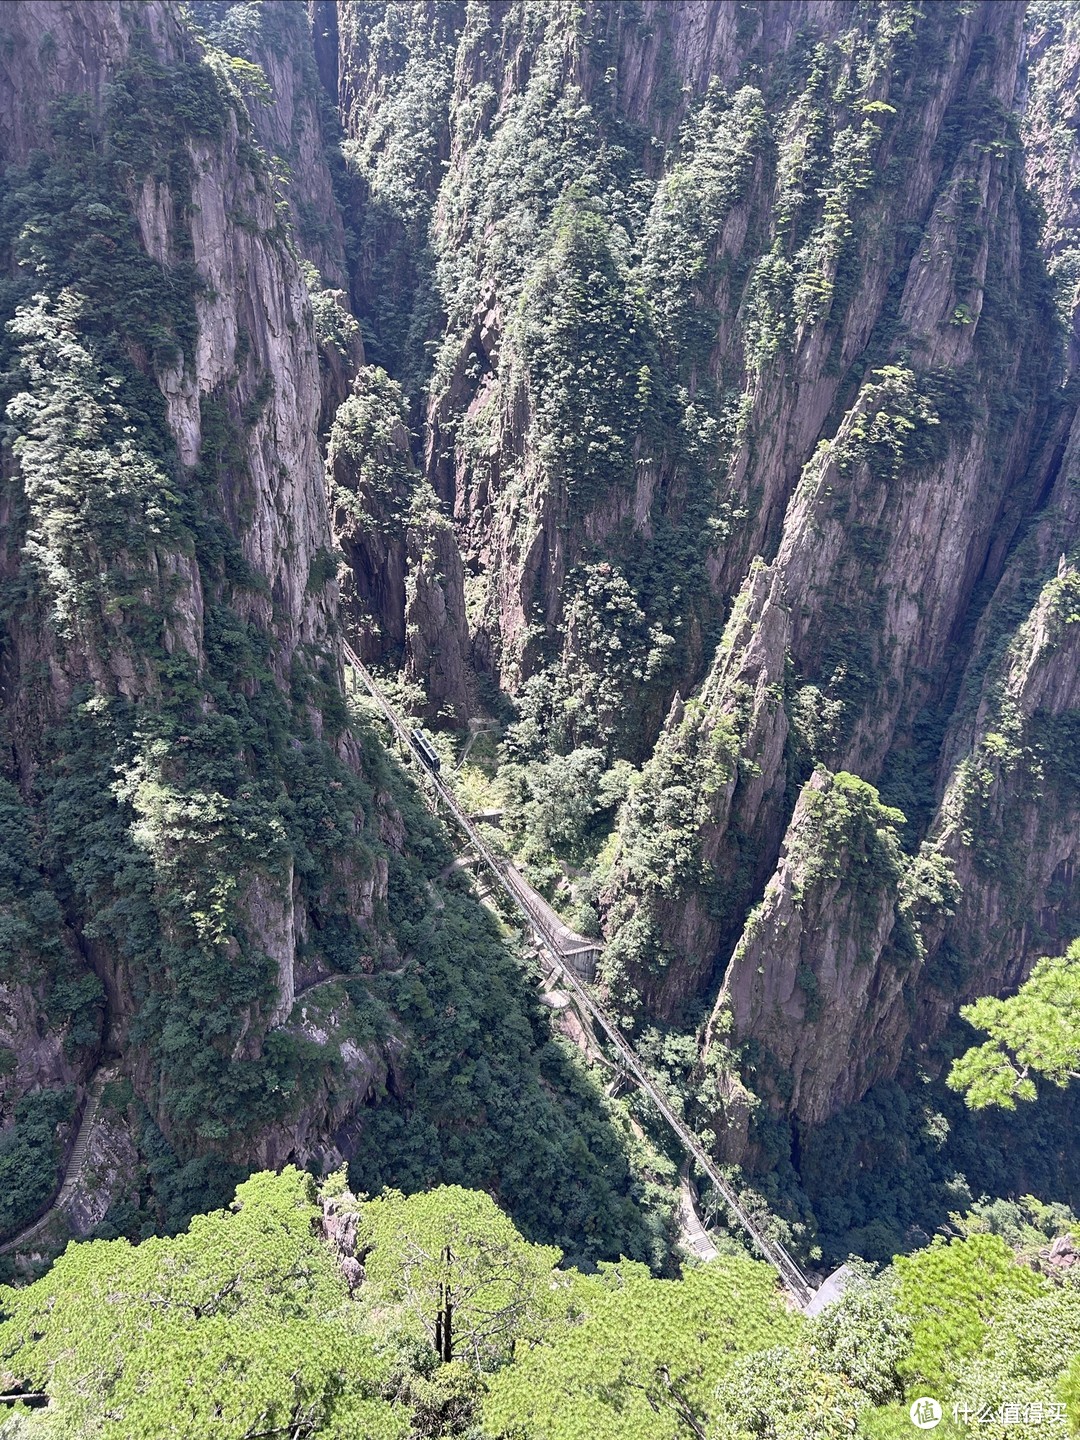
454	1245
235	1329
638	1358
952	1294
1035	1032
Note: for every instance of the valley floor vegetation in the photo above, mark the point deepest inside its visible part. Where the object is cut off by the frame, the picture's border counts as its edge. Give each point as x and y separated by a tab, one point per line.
883	1174
308	1312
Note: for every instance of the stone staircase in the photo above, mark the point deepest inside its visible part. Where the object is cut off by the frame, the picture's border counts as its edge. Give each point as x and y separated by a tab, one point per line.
75	1165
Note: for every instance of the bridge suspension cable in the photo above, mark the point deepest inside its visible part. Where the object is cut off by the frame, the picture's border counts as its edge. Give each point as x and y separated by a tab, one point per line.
562	946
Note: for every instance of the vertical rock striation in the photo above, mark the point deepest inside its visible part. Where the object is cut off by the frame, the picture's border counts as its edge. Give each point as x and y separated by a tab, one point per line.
171	700
747	390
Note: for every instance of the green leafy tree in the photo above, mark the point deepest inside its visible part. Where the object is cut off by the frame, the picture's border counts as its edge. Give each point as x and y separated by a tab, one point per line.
784	1394
638	1358
843	1364
952	1294
1035	1032
238	1328
1070	1392
1020	1361
452	1265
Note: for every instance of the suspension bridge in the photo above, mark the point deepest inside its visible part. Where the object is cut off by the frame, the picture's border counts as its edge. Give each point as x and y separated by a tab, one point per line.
574	957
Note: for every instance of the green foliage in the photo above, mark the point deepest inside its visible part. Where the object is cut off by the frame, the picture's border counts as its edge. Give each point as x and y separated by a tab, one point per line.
886	1172
244	1323
32	929
369	432
30	1156
94	494
952	1293
962	1322
661	830
165	820
866	1335
564	804
669	806
1033	1033
397	162
893	428
1020	1361
455	1247
720	142
637	1358
335	327
847	839
152	106
1049	145
614	660
784	1394
847	825
486	1098
1026	1225
237	1327
68	231
588	365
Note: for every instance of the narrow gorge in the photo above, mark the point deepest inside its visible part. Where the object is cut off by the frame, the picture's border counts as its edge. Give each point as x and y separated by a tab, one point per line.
674	404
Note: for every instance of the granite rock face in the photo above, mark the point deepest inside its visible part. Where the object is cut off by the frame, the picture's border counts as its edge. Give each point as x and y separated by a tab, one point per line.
239	404
813	223
689	371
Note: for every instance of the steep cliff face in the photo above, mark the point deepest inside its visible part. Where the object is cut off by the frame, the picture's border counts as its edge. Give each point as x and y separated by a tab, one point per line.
1009	818
293	123
746	394
835	649
165	676
1051	121
214	879
995	882
402	597
648	332
817	979
688	370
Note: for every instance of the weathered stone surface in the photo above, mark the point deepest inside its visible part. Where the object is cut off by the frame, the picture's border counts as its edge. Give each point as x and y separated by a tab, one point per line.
108	1174
256	362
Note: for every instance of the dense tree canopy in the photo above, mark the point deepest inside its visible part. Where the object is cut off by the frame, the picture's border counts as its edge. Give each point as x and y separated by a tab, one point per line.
257	1322
239	1327
1035	1033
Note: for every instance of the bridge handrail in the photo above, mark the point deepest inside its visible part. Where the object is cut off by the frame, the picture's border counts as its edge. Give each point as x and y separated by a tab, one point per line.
771	1250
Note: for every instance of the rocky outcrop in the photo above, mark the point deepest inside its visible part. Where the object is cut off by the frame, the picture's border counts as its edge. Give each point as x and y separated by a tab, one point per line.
106	1175
498	437
294	125
171	679
288	122
833	650
340	1219
402	592
814	995
436	639
61	48
350	1074
32	1047
702	812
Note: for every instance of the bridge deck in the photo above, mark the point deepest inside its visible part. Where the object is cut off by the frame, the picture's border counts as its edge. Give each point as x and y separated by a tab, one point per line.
564	947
